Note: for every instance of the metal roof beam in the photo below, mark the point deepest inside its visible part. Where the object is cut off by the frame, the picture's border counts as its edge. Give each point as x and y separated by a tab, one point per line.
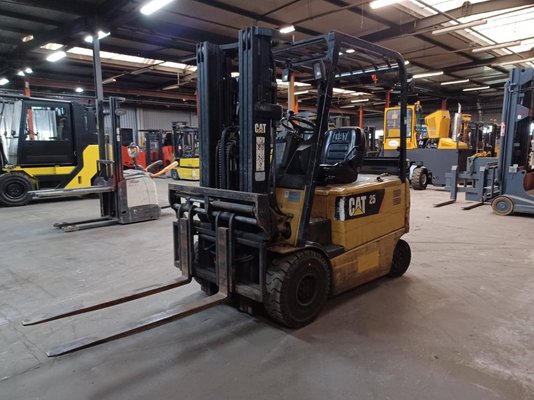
75	7
31	18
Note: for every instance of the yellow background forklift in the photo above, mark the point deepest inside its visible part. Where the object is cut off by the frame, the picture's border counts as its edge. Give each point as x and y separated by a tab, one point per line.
52	144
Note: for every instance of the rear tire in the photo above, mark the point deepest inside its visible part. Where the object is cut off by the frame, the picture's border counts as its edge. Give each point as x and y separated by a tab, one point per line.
297	286
402	255
14	188
502	205
419	179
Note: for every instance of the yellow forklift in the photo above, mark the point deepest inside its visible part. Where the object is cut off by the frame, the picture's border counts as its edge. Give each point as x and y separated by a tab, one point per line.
288	212
186	152
430	150
51	144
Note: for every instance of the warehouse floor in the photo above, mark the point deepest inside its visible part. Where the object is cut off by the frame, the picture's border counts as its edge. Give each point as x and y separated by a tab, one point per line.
458	325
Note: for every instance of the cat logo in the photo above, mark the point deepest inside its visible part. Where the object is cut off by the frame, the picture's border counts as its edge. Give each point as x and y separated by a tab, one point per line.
358	206
260	128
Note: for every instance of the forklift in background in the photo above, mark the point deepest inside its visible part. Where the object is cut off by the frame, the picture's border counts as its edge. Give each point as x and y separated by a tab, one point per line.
429	148
151	145
186	152
51	144
505	181
281	226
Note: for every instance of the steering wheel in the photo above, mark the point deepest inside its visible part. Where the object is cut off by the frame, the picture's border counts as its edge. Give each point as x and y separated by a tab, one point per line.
297	124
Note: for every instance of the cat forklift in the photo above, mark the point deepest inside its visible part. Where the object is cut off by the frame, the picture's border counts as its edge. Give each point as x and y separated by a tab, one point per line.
429	148
51	144
186	152
288	212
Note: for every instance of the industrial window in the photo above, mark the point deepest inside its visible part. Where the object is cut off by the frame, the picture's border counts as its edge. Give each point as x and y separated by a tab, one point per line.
47	123
393	123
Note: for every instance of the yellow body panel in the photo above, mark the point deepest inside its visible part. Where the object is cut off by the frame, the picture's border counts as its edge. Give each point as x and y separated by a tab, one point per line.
448	143
81	179
438	124
188	174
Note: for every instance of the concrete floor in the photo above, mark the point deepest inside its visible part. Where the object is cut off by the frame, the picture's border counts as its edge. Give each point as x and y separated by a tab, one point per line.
458	325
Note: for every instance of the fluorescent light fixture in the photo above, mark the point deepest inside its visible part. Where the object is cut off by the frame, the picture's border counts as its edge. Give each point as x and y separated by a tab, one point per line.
152	6
280	82
406	62
21	73
101	35
171	87
382	3
454	82
27	38
301	92
4	81
359	101
28	70
476	88
459	27
497	46
516	61
234	74
58	55
287	29
350	51
351	106
427	74
109	80
79	90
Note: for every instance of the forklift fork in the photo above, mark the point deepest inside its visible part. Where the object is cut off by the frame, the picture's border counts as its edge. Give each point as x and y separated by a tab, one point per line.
153	321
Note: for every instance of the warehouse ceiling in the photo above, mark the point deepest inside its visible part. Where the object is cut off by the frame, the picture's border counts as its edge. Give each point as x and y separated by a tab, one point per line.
152	58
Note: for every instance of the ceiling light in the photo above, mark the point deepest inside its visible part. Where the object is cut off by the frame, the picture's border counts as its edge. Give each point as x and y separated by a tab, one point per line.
459	27
4	81
350	51
406	62
21	73
58	55
351	106
170	87
287	29
382	3
427	74
476	88
109	80
359	100
301	92
101	35
79	90
28	70
153	6
454	82
234	74
497	46
27	38
340	53
516	61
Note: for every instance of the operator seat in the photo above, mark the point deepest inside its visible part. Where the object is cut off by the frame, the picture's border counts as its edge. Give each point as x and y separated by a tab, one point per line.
342	156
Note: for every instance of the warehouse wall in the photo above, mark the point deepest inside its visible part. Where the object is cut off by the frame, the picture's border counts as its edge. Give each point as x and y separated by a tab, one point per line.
163	119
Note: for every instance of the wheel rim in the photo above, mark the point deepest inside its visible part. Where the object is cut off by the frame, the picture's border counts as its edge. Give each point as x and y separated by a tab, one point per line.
502	206
306	290
14	190
423	179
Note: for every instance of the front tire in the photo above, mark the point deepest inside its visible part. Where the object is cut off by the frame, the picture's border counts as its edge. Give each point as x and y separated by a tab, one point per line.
174	174
14	188
297	286
502	206
402	255
419	179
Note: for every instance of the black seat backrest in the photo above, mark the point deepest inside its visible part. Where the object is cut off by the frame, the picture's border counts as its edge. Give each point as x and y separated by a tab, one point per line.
339	143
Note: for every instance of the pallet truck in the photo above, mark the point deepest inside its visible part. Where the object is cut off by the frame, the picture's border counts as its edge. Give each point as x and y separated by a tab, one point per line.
283	218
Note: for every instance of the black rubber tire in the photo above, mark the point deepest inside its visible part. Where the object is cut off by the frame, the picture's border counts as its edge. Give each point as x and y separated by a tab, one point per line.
402	255
419	179
14	188
502	206
297	287
174	174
